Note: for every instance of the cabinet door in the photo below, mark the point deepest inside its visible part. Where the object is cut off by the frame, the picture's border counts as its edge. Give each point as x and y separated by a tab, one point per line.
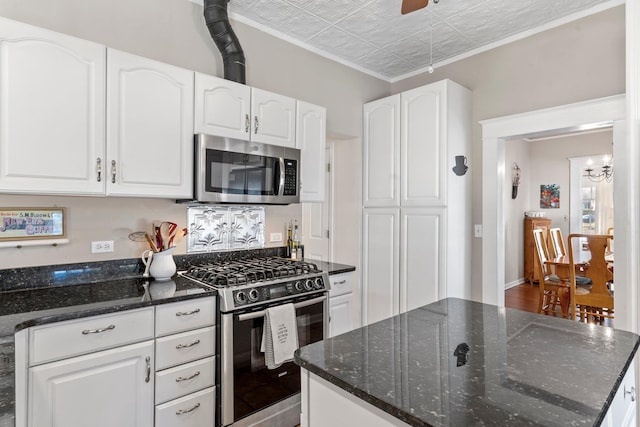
340	314
274	118
381	155
423	149
53	111
104	389
222	107
311	140
380	278
149	128
422	263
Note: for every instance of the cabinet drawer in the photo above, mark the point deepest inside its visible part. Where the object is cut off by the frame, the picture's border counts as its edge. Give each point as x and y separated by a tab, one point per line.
185	315
185	347
341	284
194	410
184	379
74	337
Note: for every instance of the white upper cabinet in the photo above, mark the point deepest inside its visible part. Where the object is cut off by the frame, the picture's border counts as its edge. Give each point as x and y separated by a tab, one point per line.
52	111
311	140
234	110
381	156
222	107
149	128
274	118
423	146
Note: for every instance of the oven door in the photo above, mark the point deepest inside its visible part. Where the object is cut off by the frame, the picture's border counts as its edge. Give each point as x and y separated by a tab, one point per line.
248	386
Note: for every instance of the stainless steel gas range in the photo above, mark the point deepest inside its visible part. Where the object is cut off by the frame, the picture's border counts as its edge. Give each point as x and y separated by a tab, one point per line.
250	392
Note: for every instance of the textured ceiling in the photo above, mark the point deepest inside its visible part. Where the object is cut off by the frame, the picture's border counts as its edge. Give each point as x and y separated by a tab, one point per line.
372	35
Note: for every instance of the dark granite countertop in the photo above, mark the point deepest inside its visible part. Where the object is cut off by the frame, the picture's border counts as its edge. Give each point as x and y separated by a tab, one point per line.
333	267
522	368
20	309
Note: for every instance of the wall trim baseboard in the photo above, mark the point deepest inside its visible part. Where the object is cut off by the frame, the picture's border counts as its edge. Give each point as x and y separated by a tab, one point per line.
514	283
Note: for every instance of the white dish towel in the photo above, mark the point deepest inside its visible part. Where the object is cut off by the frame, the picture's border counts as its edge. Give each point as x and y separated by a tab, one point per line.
280	335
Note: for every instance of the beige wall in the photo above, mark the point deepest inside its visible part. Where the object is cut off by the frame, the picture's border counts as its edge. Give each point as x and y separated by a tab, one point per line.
173	31
582	60
542	162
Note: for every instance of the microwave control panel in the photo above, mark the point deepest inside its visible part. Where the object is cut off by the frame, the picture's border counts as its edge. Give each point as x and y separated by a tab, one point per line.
290	177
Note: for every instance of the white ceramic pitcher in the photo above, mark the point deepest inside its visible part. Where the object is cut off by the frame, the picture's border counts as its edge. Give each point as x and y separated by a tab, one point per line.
162	267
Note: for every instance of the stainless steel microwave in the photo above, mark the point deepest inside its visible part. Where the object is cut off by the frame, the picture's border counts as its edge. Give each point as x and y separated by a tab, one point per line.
235	171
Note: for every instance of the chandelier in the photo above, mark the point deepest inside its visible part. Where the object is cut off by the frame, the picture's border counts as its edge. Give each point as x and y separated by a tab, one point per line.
605	174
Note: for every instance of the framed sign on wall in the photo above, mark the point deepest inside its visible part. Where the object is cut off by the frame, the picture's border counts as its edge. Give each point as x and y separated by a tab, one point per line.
31	223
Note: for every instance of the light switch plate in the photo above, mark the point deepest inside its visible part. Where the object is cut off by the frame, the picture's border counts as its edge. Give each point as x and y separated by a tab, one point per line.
477	230
275	237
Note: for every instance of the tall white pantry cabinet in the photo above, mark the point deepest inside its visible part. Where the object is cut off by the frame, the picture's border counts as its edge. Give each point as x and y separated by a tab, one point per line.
416	209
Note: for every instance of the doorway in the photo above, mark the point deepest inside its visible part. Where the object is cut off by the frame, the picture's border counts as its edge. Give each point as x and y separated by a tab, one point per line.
586	115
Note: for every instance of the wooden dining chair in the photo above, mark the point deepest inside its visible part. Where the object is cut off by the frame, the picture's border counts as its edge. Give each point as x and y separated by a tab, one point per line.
596	301
557	243
552	289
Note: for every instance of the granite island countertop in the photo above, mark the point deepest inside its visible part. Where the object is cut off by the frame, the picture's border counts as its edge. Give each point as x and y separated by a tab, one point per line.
520	369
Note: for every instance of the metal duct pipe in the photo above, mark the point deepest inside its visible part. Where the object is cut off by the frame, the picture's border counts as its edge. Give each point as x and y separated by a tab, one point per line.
217	20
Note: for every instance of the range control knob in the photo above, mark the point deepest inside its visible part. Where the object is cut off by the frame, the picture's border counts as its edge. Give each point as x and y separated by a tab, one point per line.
241	297
318	283
254	295
308	285
299	286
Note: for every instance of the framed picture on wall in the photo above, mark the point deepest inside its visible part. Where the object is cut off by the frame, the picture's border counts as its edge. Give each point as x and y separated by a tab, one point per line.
31	223
550	196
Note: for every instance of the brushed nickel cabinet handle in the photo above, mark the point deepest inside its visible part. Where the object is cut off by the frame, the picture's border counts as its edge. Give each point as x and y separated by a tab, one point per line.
256	124
187	313
113	171
190	377
247	123
179	346
99	168
341	282
186	411
99	330
148	377
631	392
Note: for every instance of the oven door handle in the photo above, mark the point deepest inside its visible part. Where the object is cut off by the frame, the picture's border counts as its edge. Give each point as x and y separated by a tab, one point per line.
261	313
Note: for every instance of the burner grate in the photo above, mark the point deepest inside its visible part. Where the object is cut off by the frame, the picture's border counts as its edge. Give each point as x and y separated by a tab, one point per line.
241	272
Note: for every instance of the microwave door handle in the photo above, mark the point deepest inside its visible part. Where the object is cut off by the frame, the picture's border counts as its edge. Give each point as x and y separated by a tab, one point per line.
280	191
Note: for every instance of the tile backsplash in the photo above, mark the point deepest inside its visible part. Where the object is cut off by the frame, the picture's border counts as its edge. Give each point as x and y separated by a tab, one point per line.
213	228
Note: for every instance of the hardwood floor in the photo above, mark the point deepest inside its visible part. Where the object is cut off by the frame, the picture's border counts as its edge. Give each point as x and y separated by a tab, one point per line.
525	297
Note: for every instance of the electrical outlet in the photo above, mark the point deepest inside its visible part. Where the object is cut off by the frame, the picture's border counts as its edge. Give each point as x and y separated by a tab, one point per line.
477	230
102	246
276	237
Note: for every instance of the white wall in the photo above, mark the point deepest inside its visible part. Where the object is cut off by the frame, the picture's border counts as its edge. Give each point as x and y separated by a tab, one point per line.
578	61
173	31
542	162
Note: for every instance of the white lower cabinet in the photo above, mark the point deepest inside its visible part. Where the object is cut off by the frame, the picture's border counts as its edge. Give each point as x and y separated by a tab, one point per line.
103	389
342	310
186	364
194	410
622	412
108	370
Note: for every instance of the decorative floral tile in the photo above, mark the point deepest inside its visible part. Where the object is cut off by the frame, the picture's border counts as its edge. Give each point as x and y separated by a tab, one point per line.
213	228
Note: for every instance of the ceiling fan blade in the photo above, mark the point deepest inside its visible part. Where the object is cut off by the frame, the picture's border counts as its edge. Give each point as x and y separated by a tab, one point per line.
409	6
